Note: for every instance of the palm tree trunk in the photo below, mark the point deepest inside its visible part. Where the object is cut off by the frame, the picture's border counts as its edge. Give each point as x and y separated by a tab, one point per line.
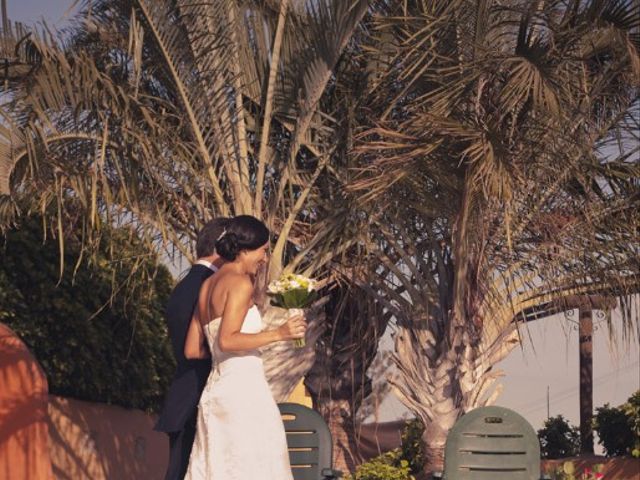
338	381
340	417
439	410
440	381
436	430
336	395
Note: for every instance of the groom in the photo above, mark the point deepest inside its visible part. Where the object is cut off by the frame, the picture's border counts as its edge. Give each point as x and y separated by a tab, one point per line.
178	416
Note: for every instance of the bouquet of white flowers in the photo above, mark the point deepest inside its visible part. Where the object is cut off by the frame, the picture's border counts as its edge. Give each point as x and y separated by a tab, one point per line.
293	292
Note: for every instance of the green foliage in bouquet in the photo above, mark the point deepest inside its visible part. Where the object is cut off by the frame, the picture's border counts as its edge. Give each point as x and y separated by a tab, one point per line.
293	291
296	298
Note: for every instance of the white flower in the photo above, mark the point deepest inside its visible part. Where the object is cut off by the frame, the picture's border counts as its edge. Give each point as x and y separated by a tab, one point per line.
292	282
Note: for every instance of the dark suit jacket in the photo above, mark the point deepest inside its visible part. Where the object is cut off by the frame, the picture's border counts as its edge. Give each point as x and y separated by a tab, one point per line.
191	375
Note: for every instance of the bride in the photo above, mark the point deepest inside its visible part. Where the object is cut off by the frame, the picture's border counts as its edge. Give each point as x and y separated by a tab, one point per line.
239	433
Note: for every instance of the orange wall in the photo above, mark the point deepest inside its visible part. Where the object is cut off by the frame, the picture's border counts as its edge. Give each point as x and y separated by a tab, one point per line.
23	412
97	441
43	436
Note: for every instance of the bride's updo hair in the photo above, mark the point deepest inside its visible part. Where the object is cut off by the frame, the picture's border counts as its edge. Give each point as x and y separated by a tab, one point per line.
243	232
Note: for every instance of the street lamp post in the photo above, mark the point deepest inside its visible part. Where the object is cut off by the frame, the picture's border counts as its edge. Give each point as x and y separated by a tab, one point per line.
585	305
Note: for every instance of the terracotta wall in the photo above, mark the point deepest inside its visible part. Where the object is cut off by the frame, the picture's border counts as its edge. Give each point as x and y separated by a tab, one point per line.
45	437
96	441
82	440
24	452
614	468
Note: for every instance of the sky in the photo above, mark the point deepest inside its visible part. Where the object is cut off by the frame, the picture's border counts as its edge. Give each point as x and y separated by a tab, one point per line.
31	11
548	357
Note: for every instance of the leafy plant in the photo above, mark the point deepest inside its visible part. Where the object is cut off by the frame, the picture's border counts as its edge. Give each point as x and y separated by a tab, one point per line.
399	464
99	335
558	438
411	449
632	408
619	427
388	466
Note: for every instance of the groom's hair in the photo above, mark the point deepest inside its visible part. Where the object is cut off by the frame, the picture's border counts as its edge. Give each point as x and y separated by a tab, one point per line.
208	236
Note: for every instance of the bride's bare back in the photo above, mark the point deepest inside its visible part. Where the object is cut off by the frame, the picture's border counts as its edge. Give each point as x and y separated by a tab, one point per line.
229	295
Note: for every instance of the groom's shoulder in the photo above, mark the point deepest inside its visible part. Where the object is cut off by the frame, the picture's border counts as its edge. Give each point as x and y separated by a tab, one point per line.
194	274
187	286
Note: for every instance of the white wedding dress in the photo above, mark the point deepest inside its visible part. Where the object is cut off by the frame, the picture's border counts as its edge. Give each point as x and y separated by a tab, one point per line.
239	434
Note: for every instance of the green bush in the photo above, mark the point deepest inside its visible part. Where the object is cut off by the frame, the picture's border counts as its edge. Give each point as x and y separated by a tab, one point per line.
399	464
388	466
632	408
411	449
619	427
558	439
99	335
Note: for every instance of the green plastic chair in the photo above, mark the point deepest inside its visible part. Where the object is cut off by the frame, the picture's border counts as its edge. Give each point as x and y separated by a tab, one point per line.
491	443
309	442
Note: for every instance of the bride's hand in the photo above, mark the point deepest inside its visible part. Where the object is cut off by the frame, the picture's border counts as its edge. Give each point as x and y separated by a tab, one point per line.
294	328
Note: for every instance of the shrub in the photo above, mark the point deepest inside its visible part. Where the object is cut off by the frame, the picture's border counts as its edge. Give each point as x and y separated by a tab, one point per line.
399	464
411	449
92	345
388	466
632	409
619	427
558	439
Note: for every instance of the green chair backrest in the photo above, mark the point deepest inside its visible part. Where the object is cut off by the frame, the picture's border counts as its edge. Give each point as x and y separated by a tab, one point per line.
308	439
492	443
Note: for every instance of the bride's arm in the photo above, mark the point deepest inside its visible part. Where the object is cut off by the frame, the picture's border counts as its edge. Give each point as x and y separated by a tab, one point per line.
236	306
195	345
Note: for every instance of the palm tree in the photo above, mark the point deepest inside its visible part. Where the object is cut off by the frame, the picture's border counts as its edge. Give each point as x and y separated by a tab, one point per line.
499	173
162	115
338	381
